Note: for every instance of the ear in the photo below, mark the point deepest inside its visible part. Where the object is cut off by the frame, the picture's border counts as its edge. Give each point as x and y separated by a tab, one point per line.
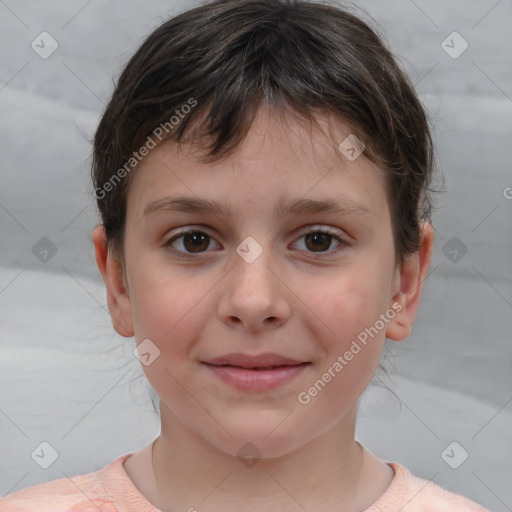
118	298
408	284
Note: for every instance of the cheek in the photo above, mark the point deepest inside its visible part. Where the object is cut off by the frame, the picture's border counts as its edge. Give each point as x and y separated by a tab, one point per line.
169	304
349	310
171	311
349	304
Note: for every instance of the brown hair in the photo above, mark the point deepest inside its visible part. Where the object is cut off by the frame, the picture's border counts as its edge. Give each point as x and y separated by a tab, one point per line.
230	56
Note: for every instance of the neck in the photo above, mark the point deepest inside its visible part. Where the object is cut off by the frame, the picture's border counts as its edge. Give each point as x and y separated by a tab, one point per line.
333	469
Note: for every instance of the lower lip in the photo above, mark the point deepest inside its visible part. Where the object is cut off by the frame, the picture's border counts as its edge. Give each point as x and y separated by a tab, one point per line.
257	380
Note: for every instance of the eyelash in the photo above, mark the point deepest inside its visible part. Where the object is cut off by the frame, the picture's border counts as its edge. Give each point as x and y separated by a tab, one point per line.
314	230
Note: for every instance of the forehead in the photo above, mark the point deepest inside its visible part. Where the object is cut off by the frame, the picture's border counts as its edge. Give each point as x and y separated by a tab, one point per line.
283	156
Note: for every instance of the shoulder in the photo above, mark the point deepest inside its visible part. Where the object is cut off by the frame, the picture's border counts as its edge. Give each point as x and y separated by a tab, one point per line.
409	493
79	493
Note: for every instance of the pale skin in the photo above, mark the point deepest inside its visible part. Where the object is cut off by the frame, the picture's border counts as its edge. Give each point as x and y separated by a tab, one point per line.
293	300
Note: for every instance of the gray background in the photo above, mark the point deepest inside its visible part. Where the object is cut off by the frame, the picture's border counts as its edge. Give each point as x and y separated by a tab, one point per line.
68	379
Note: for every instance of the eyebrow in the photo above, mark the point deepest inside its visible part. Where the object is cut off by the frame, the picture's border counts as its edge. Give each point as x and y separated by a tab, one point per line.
298	206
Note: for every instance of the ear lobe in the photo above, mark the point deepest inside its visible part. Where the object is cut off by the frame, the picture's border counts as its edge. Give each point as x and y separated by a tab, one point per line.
408	286
118	298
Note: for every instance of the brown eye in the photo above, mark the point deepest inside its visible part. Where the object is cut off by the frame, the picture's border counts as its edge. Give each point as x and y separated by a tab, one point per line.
189	242
318	241
196	242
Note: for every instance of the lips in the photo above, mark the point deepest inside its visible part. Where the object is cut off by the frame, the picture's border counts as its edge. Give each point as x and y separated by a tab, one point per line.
265	361
255	373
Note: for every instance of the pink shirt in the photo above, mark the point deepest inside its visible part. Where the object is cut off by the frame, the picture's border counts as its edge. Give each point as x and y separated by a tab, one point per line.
110	489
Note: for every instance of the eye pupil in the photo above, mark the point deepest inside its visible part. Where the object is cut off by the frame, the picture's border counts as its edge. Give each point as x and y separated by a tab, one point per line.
198	241
319	237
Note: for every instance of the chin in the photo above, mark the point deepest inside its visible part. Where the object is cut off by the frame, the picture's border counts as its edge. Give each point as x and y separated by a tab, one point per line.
260	441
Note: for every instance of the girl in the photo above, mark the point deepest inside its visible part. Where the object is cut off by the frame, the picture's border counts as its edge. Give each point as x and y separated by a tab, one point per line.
261	171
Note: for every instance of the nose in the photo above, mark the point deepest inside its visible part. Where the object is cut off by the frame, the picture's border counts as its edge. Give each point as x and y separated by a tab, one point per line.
255	296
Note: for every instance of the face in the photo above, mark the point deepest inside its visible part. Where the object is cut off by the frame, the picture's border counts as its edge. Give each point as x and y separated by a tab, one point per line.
305	285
